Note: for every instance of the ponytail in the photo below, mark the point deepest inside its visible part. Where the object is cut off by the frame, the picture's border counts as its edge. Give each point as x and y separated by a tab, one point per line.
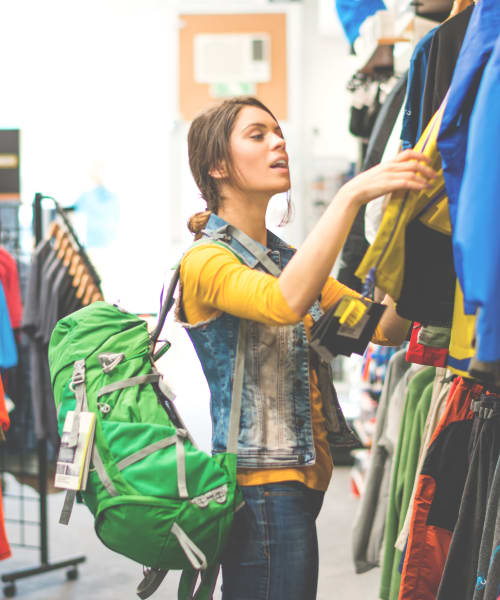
197	223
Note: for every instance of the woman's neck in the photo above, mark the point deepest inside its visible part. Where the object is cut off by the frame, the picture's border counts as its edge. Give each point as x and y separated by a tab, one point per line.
247	215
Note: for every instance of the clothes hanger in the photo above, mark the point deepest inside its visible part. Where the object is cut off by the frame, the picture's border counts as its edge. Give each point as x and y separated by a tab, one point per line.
68	257
54	227
89	293
97	297
65	243
459	6
75	262
60	235
81	270
80	292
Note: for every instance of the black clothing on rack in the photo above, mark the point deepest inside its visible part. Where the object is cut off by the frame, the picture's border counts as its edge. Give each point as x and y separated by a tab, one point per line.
443	56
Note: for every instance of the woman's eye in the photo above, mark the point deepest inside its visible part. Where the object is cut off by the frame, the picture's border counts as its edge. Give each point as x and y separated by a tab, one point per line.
257	136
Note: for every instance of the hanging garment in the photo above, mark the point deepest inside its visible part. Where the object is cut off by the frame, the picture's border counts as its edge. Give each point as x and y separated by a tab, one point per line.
102	211
476	239
463	331
356	243
488	570
41	391
428	285
417	404
353	251
9	277
487	372
5	551
8	349
412	119
365	104
384	124
459	576
437	497
353	13
368	528
390	263
476	50
434	336
440	392
443	55
423	354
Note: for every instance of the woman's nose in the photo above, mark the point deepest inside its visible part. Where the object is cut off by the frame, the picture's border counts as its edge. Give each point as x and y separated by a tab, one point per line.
277	141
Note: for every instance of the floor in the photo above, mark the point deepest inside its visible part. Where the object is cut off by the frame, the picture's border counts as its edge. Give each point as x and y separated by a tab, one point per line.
108	576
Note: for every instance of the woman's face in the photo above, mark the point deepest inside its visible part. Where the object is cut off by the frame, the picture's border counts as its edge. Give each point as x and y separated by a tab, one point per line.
258	153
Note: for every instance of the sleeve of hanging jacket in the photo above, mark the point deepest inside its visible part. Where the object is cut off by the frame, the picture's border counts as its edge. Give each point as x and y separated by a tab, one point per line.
477	238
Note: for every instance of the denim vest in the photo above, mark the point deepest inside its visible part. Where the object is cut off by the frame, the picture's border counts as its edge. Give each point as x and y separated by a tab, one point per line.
275	422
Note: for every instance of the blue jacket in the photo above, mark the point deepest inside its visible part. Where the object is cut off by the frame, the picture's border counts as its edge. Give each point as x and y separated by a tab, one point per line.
412	116
275	423
477	229
477	46
475	246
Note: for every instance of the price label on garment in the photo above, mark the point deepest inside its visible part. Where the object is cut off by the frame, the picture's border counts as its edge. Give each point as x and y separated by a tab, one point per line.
350	311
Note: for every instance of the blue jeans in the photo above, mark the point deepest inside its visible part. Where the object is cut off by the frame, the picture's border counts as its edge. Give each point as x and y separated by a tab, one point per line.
272	553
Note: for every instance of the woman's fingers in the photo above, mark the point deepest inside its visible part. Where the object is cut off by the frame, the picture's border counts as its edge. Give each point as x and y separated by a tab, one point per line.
416	167
411	155
409	170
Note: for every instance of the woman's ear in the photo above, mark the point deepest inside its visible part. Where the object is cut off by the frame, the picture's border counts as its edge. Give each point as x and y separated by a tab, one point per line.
219	171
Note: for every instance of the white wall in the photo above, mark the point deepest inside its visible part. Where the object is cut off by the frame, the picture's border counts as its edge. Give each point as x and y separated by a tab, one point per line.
95	81
86	82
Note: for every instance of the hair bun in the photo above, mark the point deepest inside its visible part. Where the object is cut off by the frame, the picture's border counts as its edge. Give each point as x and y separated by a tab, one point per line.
197	222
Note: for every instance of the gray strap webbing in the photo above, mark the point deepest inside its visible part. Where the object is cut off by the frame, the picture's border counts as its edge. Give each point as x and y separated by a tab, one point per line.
234	416
78	387
256	249
178	440
102	473
67	508
146	451
195	556
120	385
181	463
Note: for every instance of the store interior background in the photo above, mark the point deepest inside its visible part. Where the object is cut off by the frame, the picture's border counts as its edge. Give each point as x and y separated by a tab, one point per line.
93	88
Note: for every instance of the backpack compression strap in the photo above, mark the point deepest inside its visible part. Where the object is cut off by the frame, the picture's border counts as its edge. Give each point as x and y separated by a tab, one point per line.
77	385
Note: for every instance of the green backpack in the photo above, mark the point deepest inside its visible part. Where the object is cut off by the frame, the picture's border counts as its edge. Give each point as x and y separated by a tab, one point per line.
155	496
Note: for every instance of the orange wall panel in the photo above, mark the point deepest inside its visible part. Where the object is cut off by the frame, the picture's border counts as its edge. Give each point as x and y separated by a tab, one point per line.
195	97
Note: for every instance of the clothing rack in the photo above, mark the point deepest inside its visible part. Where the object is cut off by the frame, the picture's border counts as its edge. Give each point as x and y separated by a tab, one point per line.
38	225
22	498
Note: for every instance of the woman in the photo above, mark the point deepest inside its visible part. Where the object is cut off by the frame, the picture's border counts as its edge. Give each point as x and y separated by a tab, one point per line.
239	161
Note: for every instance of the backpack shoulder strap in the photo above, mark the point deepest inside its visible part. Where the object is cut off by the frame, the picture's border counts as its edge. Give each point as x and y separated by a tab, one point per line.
168	301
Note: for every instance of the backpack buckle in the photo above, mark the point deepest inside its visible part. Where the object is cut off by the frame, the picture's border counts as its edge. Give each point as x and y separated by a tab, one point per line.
78	376
218	495
110	360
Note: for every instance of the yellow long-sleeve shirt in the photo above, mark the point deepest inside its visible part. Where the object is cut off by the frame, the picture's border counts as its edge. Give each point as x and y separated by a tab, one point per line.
213	281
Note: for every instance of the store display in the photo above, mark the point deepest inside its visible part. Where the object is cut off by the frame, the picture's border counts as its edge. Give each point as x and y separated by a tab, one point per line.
436	253
424	418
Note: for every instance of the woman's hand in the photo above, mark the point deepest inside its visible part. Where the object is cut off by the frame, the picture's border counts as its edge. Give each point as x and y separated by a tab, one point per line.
304	276
409	170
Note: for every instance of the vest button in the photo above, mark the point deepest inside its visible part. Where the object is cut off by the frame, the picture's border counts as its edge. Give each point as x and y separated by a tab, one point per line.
299	343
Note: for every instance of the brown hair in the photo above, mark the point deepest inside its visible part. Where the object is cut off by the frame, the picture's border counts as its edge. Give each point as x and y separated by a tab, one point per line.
208	148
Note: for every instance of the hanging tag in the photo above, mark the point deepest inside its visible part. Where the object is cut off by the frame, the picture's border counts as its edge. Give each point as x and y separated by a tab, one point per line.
346	328
350	311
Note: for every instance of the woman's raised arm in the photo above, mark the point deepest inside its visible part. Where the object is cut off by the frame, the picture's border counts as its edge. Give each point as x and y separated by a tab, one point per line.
303	278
